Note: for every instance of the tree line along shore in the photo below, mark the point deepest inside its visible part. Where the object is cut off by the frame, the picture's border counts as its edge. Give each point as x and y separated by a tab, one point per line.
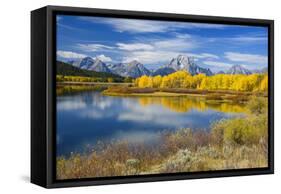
217	87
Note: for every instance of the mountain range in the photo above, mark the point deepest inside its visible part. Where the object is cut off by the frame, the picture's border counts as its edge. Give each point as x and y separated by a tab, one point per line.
136	69
67	69
132	69
89	63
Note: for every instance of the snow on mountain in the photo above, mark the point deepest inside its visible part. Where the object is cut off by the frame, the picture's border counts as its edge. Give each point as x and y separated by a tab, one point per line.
238	69
183	62
86	63
89	63
99	66
132	69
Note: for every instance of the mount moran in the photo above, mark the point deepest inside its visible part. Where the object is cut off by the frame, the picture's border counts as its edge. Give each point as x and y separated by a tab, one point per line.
135	69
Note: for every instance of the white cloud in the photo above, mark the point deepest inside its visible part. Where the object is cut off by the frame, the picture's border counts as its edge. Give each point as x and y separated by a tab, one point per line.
93	47
180	42
69	54
175	44
144	26
155	112
217	64
157	50
134	46
137	26
202	56
249	39
246	58
243	39
164	51
70	105
209	55
152	51
184	36
130	25
92	114
104	58
101	103
206	26
150	57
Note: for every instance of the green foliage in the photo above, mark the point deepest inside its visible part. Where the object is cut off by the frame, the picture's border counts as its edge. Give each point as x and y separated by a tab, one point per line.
67	72
258	105
246	130
238	131
128	80
68	89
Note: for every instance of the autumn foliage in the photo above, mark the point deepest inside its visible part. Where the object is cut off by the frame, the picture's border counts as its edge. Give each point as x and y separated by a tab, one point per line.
182	79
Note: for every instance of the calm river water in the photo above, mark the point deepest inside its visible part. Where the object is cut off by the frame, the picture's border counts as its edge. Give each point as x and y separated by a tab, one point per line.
84	118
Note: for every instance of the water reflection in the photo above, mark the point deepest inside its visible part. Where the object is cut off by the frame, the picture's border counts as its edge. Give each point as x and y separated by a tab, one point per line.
186	104
86	117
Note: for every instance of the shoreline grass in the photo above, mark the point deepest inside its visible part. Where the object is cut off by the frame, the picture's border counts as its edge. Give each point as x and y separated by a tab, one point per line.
217	95
70	89
126	90
65	83
154	94
235	143
182	151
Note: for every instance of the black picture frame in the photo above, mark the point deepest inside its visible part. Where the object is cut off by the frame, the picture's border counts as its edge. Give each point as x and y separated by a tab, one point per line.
43	95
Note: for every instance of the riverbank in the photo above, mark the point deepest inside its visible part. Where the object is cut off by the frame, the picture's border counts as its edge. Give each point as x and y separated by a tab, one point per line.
67	87
218	95
67	83
182	151
230	144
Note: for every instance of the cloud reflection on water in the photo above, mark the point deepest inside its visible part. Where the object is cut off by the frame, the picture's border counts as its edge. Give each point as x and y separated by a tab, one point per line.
84	118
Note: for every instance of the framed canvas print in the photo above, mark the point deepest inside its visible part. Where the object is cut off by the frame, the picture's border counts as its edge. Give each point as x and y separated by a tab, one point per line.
125	96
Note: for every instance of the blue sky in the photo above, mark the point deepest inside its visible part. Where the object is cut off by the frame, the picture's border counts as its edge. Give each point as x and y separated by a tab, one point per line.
155	43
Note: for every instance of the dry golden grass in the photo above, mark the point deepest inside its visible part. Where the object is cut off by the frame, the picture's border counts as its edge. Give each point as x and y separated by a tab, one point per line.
212	95
183	151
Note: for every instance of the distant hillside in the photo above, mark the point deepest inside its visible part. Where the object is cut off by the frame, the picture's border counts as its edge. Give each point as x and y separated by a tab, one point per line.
67	69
